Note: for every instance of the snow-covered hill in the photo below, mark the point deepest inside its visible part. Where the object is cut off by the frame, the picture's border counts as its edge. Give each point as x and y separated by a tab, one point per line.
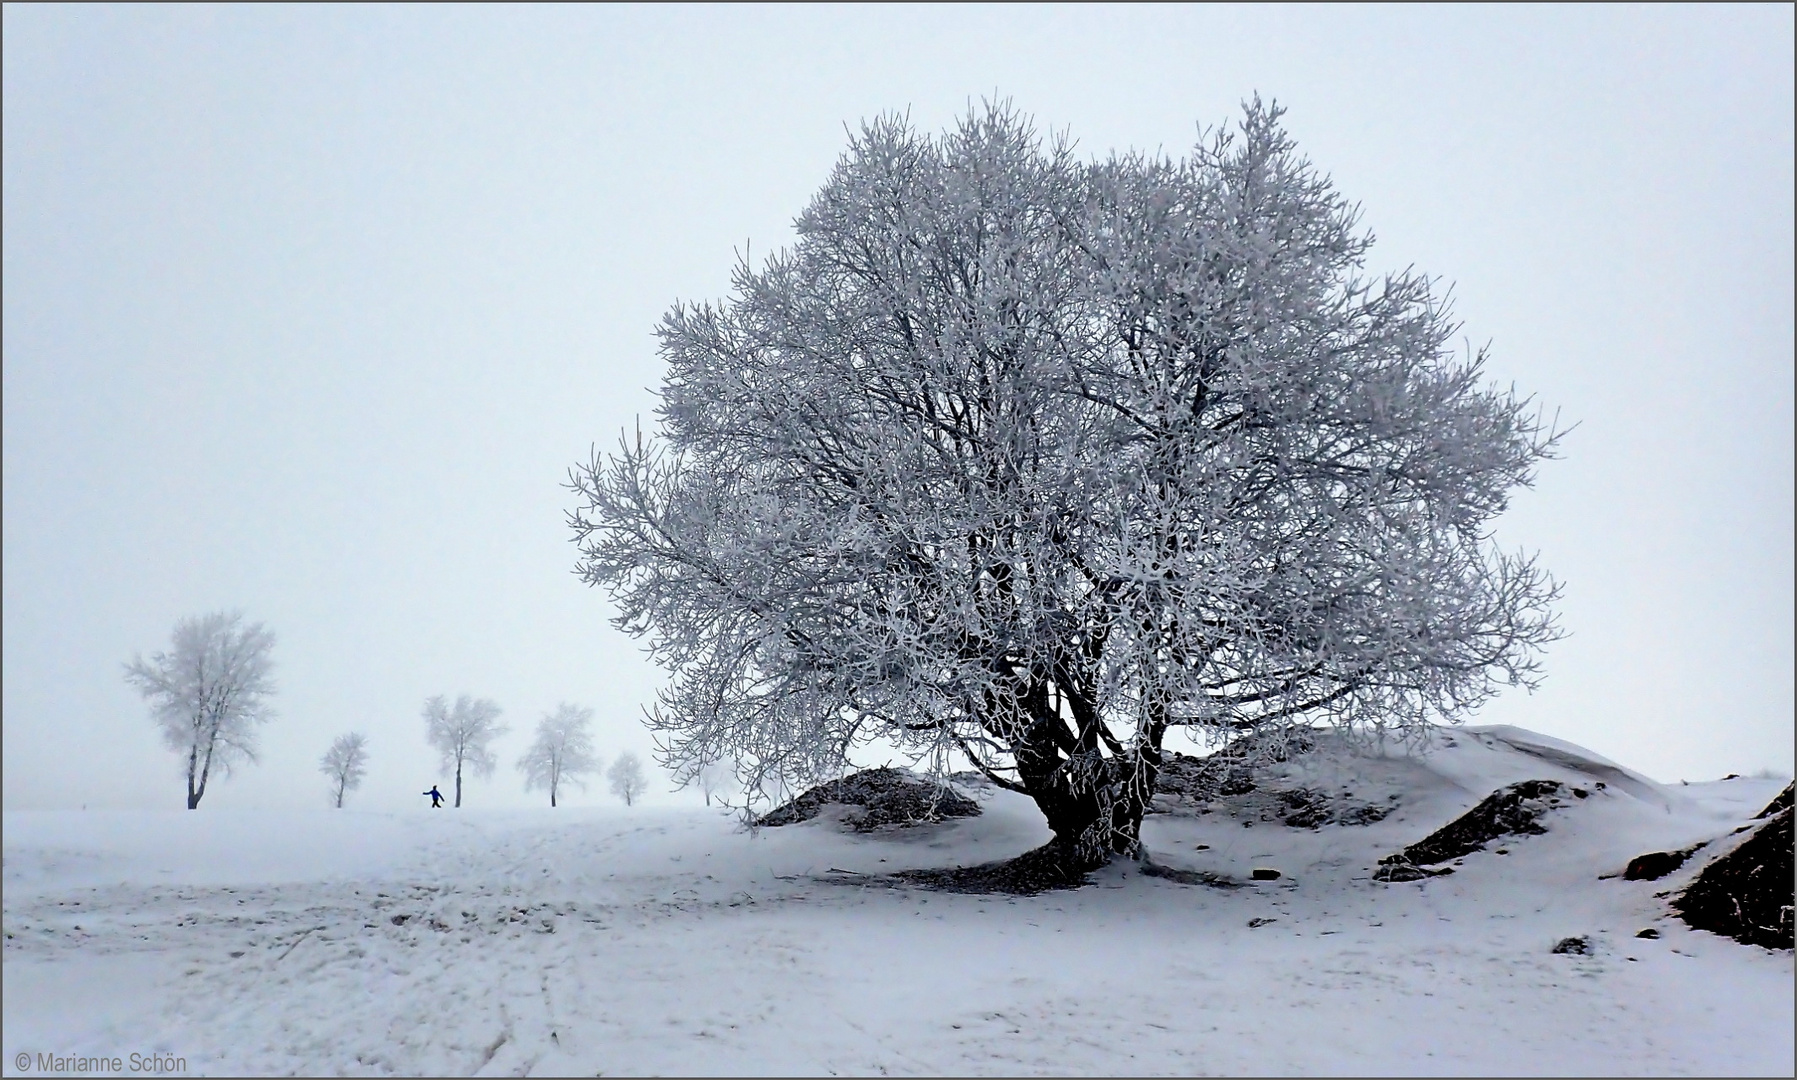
634	941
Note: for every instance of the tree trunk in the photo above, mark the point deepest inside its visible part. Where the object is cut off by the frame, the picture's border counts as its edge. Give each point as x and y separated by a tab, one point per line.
458	782
193	765
1093	804
195	794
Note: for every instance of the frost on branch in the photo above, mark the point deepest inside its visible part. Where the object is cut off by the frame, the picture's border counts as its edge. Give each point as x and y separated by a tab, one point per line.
1034	461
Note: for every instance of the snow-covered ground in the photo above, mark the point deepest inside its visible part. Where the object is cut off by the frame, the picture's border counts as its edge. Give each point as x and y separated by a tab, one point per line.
674	941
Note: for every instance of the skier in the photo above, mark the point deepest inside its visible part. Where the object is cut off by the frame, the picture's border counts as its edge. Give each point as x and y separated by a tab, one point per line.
436	796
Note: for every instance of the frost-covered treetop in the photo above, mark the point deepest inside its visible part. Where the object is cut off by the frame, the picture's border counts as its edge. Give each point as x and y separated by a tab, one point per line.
1032	460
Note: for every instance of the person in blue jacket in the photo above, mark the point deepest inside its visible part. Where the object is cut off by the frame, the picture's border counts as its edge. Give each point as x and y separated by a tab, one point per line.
436	796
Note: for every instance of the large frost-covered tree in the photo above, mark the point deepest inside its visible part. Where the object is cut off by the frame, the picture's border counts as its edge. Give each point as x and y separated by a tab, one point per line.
1037	460
462	733
210	693
345	764
563	752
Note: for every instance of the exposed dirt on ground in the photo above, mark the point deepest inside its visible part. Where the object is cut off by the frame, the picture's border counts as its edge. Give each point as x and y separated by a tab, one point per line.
1655	865
1238	779
1040	870
1512	810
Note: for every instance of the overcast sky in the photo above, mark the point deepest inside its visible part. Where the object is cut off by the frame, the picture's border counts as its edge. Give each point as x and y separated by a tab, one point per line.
309	310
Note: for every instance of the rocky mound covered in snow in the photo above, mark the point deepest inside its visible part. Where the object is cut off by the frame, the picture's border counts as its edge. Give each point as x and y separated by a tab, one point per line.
1238	775
1736	881
1231	770
1471	793
1512	810
875	797
1748	892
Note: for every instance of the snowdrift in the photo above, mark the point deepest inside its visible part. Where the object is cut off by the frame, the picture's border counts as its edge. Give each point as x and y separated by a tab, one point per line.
1532	785
676	941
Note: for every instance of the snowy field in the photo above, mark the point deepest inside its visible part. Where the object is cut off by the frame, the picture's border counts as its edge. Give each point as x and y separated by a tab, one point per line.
588	942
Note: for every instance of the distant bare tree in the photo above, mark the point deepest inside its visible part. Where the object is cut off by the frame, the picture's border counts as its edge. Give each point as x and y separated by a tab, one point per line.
209	693
713	777
346	762
626	778
562	753
461	733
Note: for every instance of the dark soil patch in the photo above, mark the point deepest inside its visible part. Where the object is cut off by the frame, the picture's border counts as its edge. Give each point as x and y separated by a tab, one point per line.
1573	946
1236	776
1397	868
1189	877
1781	801
1308	809
1040	870
1202	779
879	797
1229	771
1748	893
1655	864
1364	814
1513	810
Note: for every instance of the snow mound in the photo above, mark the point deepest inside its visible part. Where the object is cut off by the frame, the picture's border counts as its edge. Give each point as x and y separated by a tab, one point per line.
1244	776
876	797
1231	769
1315	778
1571	757
1513	810
1747	894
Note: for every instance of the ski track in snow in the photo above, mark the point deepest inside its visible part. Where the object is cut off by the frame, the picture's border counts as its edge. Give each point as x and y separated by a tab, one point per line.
673	941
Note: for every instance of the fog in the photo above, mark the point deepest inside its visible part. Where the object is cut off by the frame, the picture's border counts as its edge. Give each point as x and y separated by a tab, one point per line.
307	312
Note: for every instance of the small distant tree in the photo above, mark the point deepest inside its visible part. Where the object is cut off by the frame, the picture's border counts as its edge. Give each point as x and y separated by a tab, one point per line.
562	753
713	777
626	778
346	762
209	693
462	734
